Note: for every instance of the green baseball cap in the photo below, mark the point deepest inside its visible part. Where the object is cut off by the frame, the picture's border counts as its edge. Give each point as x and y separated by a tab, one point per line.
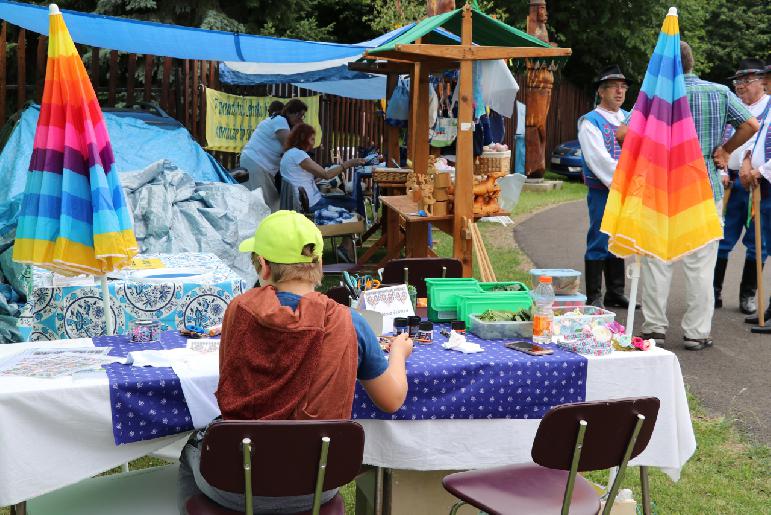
281	237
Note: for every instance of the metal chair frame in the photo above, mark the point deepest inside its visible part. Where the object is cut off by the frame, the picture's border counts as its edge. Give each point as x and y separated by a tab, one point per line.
611	495
246	449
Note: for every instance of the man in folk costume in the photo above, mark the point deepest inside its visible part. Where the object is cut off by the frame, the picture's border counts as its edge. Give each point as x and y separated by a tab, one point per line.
601	150
748	82
756	170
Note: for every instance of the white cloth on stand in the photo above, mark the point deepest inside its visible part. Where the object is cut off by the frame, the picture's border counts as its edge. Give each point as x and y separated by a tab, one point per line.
499	87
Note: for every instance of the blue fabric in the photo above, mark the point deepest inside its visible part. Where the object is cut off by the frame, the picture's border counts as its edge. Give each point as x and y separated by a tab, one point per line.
519	156
142	37
612	145
736	218
367	88
596	241
497	127
135	144
146	402
335	73
338	201
372	362
496	383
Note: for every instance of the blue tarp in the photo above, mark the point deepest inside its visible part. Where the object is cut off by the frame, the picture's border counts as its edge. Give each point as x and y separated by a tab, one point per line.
143	37
135	144
373	88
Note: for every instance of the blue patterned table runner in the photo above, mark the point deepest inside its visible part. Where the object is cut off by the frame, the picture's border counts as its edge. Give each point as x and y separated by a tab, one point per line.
496	383
146	402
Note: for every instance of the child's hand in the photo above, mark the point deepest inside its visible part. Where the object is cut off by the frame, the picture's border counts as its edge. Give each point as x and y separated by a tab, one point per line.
401	344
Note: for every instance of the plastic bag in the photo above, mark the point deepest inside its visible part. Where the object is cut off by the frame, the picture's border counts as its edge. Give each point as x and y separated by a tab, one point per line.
446	128
398	108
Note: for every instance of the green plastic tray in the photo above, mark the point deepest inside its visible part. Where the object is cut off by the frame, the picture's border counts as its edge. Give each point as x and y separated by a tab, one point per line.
443	296
476	303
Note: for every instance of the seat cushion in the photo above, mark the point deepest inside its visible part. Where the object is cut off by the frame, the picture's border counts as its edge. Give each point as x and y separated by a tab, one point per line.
521	490
202	505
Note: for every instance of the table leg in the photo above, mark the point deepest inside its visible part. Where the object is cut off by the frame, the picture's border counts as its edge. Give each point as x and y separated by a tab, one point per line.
391	229
416	235
646	493
371	251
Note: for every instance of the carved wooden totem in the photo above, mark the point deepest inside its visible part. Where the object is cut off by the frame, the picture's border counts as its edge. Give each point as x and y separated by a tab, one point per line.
537	96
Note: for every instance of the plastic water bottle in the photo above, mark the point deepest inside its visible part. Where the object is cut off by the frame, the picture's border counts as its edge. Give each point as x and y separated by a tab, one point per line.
543	316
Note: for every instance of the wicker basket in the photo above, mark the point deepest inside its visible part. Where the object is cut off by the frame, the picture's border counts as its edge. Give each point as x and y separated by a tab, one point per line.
493	163
390	174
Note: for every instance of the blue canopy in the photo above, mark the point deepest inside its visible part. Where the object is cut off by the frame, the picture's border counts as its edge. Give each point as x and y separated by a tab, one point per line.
142	37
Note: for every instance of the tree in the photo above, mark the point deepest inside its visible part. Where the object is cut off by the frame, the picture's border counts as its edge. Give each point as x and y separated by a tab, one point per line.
388	15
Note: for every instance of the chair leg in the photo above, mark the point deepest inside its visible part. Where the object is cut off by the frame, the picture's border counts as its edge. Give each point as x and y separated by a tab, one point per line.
246	449
456	507
646	493
622	467
574	467
321	473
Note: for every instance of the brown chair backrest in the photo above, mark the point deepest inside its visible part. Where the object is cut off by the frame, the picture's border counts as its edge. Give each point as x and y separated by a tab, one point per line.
339	294
285	455
609	428
419	270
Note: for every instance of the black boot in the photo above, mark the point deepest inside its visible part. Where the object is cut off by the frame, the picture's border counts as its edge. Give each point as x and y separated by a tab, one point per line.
755	320
717	281
748	288
593	277
615	273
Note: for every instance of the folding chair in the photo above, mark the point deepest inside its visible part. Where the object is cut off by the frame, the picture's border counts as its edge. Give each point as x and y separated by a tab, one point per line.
339	294
418	269
571	438
278	458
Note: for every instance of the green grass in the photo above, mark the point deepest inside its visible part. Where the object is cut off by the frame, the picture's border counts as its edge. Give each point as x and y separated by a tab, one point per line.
727	475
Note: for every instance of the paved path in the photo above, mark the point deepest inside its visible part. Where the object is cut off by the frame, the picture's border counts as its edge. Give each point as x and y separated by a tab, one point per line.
733	378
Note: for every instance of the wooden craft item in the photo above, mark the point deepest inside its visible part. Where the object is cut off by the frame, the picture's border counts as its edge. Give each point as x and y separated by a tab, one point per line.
440	208
440	194
486	271
442	180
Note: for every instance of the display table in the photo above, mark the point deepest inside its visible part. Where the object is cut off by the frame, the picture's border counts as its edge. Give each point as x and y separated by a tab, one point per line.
55	432
400	211
60	312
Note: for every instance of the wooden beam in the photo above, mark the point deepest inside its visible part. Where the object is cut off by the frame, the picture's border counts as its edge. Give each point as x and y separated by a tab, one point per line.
113	84
94	69
41	61
165	103
148	93
463	213
391	132
132	68
418	129
21	69
478	53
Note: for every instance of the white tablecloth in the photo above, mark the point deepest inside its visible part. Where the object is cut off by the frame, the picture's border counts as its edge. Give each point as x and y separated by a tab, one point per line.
55	432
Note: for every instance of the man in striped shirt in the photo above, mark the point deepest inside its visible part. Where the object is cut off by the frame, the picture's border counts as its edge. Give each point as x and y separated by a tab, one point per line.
713	106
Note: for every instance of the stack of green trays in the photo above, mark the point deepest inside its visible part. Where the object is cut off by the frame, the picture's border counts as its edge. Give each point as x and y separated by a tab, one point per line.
476	303
443	296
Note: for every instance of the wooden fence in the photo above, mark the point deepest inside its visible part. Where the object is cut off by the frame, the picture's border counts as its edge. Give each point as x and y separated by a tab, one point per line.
178	87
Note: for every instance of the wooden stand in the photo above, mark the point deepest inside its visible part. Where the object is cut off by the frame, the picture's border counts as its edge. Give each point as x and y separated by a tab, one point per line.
419	60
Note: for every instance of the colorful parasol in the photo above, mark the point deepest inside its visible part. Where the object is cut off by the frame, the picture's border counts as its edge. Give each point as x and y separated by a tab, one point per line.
661	202
74	217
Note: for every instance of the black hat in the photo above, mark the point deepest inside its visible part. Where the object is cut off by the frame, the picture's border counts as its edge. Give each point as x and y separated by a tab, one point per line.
612	72
749	67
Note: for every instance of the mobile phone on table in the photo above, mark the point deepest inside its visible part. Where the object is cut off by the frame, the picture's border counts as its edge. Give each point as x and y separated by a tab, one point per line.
528	347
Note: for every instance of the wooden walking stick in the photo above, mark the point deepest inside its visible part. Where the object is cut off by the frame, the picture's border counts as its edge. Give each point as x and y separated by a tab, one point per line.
759	262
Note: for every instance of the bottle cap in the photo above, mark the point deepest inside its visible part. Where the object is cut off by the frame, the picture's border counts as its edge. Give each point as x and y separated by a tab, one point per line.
426	326
545	279
400	322
413	320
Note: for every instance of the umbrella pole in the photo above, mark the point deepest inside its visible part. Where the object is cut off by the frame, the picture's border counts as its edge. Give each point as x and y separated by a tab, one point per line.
108	321
759	263
633	272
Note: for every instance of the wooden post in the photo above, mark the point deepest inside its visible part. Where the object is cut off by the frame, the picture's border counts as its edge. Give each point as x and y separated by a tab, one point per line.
419	130
186	93
21	67
165	104
149	60
94	69
113	86
202	107
3	73
40	67
194	85
391	133
132	68
464	163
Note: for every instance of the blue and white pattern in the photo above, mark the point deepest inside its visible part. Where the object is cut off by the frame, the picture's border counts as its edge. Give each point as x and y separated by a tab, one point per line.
76	311
496	383
146	402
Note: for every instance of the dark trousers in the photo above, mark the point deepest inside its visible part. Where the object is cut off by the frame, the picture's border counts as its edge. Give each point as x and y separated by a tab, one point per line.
596	241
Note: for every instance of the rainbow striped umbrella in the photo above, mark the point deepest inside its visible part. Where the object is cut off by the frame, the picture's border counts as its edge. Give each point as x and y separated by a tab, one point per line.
74	217
660	202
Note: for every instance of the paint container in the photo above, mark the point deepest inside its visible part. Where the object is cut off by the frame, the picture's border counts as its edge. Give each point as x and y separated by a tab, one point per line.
425	332
414	323
401	325
143	331
459	326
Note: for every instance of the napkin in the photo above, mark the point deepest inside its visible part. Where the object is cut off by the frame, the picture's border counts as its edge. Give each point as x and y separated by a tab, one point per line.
458	342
